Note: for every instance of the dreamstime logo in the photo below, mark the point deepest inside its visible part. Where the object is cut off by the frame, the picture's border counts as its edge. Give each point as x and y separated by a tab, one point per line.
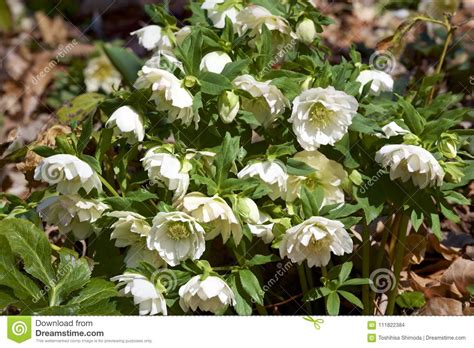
280	55
280	273
52	173
19	328
383	61
371	182
165	278
383	280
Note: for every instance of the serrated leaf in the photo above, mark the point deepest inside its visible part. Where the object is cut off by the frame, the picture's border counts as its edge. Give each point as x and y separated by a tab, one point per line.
251	285
242	306
214	84
225	158
80	107
30	244
412	117
125	61
351	298
345	272
261	260
298	168
95	291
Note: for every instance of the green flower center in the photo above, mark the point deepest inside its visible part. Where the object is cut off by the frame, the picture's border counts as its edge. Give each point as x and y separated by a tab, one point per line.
312	182
320	116
318	245
178	230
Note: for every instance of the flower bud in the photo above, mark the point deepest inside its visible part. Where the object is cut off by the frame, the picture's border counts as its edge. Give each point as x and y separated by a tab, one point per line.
448	145
229	105
453	171
306	31
411	139
247	210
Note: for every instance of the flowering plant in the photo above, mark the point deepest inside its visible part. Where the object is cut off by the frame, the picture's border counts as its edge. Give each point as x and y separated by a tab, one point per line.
234	153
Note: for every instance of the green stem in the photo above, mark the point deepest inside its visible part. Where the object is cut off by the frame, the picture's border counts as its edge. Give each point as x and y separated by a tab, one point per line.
109	187
398	263
309	277
366	268
449	37
304	285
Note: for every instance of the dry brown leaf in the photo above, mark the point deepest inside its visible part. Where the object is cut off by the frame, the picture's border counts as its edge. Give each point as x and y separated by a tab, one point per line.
415	247
448	253
442	306
461	274
53	31
15	66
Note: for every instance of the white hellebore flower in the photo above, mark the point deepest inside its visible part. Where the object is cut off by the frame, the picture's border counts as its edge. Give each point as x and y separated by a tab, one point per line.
263	228
247	209
139	252
254	17
321	116
217	12
101	74
328	174
177	237
69	173
215	62
166	169
211	295
72	213
182	34
127	122
228	105
314	240
306	31
411	162
129	228
144	292
152	36
216	212
271	173
168	94
381	81
268	101
392	129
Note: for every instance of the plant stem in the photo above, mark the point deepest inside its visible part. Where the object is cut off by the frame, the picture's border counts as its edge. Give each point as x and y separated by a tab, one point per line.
309	277
366	268
304	285
109	187
398	262
449	37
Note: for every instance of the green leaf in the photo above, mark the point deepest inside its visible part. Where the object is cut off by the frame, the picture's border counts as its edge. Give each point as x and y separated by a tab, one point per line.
80	107
285	149
436	226
411	299
22	286
226	157
234	69
454	197
5	17
316	294
125	61
242	306
6	299
365	125
416	219
412	117
159	15
190	52
85	134
44	151
351	298
261	260
298	168
30	244
214	84
141	195
95	291
251	285
357	281
345	272
72	274
311	201
333	303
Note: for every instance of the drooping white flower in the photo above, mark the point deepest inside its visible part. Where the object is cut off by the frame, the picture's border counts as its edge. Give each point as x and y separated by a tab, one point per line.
153	37
215	213
392	129
168	94
101	74
411	162
263	228
217	13
69	173
268	101
177	237
215	62
139	252
321	116
129	228
166	169
306	31
144	293
72	213
328	174
128	123
210	295
247	209
228	106
314	239
271	173
254	17
381	81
